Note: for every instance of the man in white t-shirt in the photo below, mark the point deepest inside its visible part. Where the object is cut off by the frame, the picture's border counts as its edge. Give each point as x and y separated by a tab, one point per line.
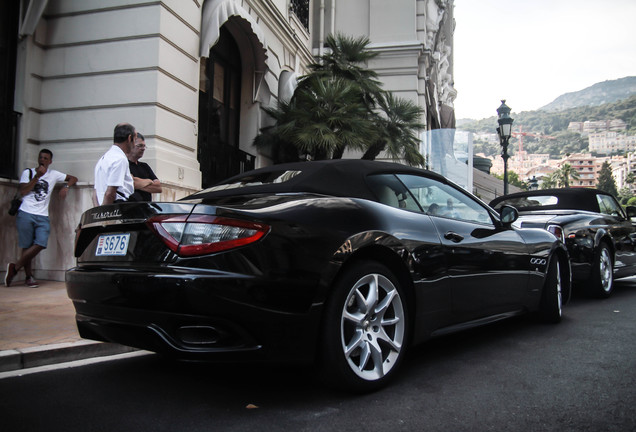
113	181
32	221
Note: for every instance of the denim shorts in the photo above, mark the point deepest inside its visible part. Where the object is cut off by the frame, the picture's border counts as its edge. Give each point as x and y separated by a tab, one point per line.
32	229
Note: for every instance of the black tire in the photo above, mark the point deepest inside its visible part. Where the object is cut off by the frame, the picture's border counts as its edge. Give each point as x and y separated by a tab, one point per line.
551	307
602	282
366	328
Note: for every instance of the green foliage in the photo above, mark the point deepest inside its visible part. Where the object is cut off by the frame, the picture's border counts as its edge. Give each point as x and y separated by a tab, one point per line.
340	106
549	122
564	174
550	182
513	179
625	195
597	94
561	178
606	180
631	201
397	123
484	147
555	124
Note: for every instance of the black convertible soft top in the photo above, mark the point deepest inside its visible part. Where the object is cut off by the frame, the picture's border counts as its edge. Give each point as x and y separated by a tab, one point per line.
337	177
567	199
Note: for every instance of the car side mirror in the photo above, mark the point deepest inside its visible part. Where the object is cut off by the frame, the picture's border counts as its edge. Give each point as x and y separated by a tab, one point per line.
631	211
508	214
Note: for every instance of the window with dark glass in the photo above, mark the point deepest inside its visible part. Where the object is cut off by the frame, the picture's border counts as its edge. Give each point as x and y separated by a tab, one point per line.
427	195
608	205
300	8
219	113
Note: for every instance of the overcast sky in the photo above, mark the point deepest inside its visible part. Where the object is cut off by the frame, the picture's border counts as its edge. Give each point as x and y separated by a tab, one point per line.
529	52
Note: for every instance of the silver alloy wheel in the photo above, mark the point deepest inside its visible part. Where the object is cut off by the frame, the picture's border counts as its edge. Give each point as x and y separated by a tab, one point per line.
605	270
372	327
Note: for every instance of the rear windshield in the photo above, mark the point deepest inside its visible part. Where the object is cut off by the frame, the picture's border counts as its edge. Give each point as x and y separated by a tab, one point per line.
256	180
537	201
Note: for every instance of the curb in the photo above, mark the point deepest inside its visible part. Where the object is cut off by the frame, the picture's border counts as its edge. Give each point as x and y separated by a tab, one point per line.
26	358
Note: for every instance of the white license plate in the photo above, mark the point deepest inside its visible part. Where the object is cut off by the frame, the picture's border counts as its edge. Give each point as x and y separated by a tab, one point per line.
112	245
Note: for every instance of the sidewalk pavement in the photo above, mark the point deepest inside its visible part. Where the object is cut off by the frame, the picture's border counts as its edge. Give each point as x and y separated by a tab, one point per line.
37	328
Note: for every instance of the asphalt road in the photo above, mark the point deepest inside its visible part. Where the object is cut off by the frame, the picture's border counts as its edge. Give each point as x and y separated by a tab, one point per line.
518	375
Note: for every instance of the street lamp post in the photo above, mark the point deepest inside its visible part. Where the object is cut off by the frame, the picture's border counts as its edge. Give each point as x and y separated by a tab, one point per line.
505	131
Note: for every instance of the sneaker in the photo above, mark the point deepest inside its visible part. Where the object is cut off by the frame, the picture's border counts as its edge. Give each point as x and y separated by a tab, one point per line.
31	282
10	274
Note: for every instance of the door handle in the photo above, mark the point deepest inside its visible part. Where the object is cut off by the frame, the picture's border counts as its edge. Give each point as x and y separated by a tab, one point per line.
453	236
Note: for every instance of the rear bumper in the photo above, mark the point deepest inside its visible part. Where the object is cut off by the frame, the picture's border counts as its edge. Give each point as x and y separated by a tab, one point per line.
209	317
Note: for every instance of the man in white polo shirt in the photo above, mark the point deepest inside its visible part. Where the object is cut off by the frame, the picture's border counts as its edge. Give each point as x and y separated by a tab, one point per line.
113	181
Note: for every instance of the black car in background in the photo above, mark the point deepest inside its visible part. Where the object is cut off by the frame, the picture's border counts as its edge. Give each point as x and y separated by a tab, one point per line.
346	263
600	236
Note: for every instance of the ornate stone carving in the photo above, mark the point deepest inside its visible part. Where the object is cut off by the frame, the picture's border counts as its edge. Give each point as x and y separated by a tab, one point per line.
434	13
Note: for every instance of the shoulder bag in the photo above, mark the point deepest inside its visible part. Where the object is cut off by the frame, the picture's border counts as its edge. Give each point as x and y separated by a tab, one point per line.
16	202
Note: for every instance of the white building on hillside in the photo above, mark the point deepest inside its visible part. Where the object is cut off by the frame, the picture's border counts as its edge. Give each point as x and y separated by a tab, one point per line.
611	142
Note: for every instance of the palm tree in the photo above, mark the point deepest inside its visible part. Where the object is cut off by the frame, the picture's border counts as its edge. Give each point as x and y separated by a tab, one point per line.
565	173
320	121
340	106
344	59
399	121
549	181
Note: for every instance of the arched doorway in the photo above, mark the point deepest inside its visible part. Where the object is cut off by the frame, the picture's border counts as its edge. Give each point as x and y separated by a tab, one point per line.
219	113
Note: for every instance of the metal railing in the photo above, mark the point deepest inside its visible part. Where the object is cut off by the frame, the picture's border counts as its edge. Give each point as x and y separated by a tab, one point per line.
227	161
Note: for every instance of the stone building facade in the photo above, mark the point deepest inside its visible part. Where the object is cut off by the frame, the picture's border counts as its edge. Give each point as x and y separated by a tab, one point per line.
193	76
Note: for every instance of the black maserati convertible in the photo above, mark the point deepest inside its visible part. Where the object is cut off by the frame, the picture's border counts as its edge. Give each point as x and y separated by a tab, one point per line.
341	263
598	233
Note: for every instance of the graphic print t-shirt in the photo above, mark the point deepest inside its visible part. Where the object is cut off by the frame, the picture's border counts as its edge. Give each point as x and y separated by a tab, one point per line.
37	201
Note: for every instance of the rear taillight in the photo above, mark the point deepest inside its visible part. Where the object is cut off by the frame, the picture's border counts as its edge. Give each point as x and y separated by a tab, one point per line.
557	231
203	234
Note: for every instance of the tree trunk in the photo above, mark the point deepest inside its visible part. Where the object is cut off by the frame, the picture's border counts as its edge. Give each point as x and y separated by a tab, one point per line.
373	151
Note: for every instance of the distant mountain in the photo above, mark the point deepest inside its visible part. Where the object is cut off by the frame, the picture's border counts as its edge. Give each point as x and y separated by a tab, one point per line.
595	95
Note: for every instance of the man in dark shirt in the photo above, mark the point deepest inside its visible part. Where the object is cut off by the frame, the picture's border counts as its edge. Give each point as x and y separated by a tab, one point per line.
146	182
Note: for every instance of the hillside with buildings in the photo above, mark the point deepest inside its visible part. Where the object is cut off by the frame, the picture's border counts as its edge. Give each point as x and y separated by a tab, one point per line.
606	129
584	137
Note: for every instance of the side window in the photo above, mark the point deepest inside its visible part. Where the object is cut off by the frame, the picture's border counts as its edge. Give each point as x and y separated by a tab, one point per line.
442	200
390	191
609	206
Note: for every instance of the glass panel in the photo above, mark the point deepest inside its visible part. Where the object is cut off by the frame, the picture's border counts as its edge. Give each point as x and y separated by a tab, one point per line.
390	191
449	152
443	200
608	206
204	82
219	79
536	201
